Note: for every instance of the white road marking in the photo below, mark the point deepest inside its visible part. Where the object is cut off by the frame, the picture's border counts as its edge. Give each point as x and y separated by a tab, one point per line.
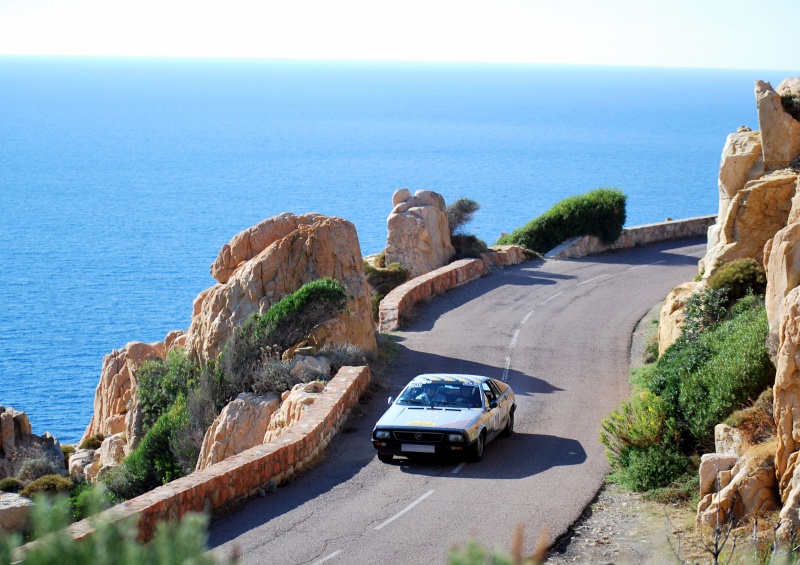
404	510
505	371
648	265
460	466
514	339
592	279
552	297
331	556
527	317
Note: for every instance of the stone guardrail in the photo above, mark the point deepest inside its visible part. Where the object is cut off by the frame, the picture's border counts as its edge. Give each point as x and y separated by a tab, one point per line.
400	300
632	237
244	474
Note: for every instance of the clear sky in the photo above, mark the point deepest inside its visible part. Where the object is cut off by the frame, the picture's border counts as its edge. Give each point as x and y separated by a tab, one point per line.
683	33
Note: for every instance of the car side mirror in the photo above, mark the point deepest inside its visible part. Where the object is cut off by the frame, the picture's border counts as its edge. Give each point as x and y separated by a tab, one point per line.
492	405
391	400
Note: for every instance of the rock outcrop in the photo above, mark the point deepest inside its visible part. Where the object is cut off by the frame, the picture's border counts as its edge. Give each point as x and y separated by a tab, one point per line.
671	317
114	396
293	403
265	263
780	132
505	255
18	441
419	234
240	426
14	512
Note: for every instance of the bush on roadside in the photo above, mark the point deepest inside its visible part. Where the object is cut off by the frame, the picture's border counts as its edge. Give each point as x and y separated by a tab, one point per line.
638	424
650	468
346	355
459	214
468	247
10	484
160	382
383	280
600	212
703	311
47	483
739	277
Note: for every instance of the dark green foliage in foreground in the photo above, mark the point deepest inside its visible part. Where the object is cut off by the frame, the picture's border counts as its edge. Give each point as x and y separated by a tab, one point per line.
160	382
791	103
153	462
86	499
600	212
111	544
740	278
696	384
10	484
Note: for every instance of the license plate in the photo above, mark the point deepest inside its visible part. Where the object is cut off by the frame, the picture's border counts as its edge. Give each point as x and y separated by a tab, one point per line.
418	448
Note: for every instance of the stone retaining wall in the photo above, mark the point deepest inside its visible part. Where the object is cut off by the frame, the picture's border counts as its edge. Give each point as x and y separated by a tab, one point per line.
399	301
245	474
635	236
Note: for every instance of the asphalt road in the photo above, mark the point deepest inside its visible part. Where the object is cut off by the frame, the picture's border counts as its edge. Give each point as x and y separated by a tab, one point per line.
560	333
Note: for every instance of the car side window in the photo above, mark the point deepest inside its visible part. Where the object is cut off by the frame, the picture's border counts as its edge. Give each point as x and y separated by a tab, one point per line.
489	393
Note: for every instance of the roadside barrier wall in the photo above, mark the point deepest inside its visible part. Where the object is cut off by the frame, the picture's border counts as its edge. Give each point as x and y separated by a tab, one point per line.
399	301
633	237
245	474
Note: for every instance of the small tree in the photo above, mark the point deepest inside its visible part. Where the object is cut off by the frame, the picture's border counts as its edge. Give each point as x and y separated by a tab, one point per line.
460	213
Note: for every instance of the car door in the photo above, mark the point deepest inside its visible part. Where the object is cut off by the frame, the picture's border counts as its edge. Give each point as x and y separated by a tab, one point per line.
494	421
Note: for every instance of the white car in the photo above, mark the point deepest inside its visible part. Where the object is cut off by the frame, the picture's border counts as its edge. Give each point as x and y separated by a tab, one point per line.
445	414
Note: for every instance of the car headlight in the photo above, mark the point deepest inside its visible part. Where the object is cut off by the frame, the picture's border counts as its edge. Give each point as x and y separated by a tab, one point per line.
455	437
382	434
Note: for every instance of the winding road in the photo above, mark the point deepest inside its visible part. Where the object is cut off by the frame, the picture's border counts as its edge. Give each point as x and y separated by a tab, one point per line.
559	332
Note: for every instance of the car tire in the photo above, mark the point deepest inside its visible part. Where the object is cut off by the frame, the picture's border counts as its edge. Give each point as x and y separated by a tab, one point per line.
509	429
476	450
385	457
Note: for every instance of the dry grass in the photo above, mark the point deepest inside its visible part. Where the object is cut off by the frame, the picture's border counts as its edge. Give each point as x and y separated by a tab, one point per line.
755	422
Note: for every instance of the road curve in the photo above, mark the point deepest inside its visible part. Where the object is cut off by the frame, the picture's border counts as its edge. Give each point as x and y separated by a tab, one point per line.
559	332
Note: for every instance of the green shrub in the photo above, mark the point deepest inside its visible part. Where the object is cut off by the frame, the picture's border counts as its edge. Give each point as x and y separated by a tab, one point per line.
153	462
47	483
111	543
703	311
274	377
67	450
33	469
459	214
600	212
739	277
86	499
650	468
467	247
685	488
160	382
385	280
10	484
638	424
267	336
791	103
92	442
346	355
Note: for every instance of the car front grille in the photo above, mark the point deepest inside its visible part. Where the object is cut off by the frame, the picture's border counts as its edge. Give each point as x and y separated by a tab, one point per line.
419	436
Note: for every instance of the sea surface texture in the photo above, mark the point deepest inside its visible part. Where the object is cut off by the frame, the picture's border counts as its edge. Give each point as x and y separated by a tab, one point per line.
121	179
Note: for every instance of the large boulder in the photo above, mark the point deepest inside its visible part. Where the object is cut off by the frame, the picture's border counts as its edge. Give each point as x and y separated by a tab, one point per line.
418	232
786	404
780	132
14	512
18	442
293	403
670	321
782	263
753	217
282	258
741	162
240	426
114	395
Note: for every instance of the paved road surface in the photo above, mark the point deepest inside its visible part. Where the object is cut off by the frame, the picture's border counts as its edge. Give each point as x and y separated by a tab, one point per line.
559	332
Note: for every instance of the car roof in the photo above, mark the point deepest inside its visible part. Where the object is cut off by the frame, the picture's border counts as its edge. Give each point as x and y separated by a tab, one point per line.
451	378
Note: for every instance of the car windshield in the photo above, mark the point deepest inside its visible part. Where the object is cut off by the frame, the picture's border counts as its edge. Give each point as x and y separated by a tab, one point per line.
441	394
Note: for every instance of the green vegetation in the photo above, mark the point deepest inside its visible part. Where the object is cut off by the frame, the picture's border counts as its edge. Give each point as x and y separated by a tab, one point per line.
600	212
738	278
718	365
791	103
67	450
112	543
161	382
39	466
92	442
383	280
47	483
10	484
459	214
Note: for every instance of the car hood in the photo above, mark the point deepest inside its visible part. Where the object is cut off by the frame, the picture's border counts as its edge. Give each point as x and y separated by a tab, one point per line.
423	417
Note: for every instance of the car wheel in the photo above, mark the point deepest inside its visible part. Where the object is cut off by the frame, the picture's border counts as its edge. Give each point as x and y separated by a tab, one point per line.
476	451
385	457
509	426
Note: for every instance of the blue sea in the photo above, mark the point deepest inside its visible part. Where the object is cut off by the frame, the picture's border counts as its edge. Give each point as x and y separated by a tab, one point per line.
120	179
